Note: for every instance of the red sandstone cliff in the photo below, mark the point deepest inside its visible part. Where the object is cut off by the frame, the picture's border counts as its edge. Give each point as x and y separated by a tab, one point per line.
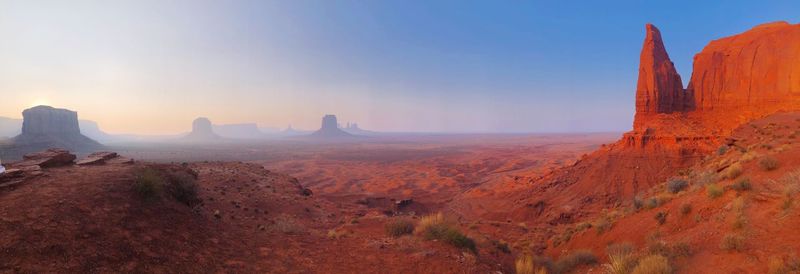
659	88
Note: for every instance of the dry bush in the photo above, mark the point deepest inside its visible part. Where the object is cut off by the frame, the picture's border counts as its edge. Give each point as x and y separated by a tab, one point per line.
568	262
732	242
686	208
742	185
768	163
676	185
653	264
602	225
621	259
722	150
661	217
749	156
148	183
778	265
399	227
526	265
179	183
436	227
714	191
733	171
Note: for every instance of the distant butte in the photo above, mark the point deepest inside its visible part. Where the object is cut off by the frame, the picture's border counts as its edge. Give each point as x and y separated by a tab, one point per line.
202	131
330	129
46	127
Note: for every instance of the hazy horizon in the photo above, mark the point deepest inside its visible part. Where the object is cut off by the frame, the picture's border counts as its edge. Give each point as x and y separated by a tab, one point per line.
151	67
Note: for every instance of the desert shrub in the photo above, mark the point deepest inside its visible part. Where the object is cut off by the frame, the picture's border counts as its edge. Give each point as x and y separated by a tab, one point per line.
577	258
714	191
777	265
681	249
620	258
749	156
732	242
676	185
399	227
742	185
768	163
638	202
704	178
183	187
602	225
733	171
653	264
528	265
686	208
436	227
661	217
502	246
147	183
651	203
722	150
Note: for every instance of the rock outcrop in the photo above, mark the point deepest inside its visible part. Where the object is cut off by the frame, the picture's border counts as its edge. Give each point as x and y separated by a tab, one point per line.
46	127
330	129
747	76
202	131
54	157
659	88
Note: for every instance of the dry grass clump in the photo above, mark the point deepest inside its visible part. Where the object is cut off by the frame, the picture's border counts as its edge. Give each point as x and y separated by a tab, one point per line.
527	265
147	183
686	208
621	258
703	178
661	217
768	163
287	225
714	191
791	186
399	227
732	242
733	171
180	184
436	227
568	262
653	264
778	265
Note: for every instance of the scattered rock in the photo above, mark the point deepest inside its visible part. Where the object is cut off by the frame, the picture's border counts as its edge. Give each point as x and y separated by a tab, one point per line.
53	157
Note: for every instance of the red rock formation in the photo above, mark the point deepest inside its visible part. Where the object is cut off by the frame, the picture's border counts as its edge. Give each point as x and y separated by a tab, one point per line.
749	75
659	88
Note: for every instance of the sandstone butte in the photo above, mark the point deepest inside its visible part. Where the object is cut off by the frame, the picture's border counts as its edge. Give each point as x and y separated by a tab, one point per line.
735	80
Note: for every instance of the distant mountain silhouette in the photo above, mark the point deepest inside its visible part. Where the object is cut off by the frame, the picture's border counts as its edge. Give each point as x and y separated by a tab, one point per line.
202	131
46	127
330	129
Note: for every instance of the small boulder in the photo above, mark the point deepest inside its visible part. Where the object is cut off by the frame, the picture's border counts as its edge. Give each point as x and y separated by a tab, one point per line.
98	158
53	157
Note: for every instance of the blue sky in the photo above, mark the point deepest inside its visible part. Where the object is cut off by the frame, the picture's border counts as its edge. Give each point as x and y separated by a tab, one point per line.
454	66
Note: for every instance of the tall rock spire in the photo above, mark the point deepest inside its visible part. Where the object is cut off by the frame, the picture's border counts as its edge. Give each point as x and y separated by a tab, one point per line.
659	89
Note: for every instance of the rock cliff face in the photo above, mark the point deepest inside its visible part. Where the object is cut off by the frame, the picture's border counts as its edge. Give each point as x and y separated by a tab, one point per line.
45	127
659	89
749	75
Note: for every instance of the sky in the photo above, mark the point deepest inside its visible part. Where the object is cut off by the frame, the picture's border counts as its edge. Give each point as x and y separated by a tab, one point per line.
151	67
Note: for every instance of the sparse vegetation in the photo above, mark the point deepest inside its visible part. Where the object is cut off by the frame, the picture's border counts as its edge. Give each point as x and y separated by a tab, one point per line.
653	264
147	183
621	259
768	163
778	265
732	242
714	191
527	265
722	150
399	226
661	217
577	258
742	185
733	171
676	185
686	209
436	227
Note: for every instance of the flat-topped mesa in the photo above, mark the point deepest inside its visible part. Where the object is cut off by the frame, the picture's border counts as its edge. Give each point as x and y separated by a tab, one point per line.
659	88
749	75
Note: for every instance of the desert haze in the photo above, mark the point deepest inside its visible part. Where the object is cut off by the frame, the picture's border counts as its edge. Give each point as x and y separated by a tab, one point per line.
399	137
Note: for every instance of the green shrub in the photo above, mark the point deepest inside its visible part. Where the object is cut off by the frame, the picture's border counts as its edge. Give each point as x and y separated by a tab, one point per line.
676	185
742	185
399	227
768	163
435	227
714	191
